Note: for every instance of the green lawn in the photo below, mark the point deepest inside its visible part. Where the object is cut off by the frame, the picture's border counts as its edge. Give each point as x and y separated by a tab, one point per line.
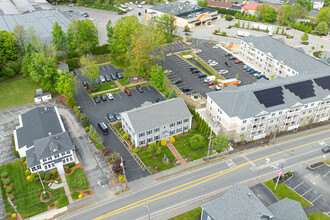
17	91
183	146
77	180
190	215
318	216
26	193
105	86
102	58
282	191
101	7
150	162
133	87
327	162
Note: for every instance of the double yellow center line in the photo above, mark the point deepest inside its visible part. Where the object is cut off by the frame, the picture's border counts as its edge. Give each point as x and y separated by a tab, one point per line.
193	183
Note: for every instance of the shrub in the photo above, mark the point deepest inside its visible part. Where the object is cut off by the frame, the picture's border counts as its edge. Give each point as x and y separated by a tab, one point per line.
47	176
99	50
137	150
229	18
80	196
14	215
75	195
223	33
9	189
290	173
6	181
100	146
126	136
73	63
16	154
71	102
4	174
163	142
23	159
27	173
52	205
36	179
32	176
106	152
87	129
11	197
84	120
87	192
186	28
313	165
172	139
54	176
53	172
67	169
71	164
42	174
113	157
120	130
28	177
25	165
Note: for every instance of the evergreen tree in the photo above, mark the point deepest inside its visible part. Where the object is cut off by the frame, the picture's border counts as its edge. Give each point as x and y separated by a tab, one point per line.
277	30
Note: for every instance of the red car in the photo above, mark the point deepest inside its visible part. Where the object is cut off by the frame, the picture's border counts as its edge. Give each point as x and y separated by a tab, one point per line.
232	58
212	83
238	61
128	92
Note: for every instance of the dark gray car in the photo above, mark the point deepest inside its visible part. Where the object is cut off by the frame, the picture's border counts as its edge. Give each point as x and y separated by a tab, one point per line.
117	116
113	76
119	75
111	118
107	78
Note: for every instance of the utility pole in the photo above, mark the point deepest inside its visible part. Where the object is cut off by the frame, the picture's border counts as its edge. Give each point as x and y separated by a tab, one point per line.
12	204
208	149
123	166
148	205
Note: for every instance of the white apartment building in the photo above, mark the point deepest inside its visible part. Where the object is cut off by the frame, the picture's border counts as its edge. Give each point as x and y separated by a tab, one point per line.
318	4
256	110
158	121
41	138
273	57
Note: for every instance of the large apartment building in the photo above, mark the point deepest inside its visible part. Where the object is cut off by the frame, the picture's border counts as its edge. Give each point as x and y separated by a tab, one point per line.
256	110
273	57
157	121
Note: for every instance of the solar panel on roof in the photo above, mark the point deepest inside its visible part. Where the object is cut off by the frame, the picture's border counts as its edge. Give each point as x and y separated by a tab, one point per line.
270	97
303	90
324	82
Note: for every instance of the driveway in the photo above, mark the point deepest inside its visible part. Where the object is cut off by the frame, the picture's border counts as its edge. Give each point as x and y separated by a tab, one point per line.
313	185
264	194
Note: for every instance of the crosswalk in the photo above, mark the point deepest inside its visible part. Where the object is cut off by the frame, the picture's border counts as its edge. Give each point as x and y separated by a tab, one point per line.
230	163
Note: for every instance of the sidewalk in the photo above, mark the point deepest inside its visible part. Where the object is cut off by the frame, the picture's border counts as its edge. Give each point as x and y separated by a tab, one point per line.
119	85
175	153
66	188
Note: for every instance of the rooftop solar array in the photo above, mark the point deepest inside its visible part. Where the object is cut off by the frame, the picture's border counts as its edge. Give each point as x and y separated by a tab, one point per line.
270	97
324	82
304	89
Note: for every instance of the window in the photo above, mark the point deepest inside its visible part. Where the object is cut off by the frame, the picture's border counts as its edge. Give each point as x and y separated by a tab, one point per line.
38	167
149	140
172	125
312	104
63	154
44	160
157	137
242	129
141	142
244	121
306	106
271	121
172	132
141	134
156	130
49	158
53	164
185	128
310	111
149	132
301	119
186	120
68	152
33	168
304	113
56	156
210	108
280	113
307	117
211	101
179	123
179	130
269	128
273	114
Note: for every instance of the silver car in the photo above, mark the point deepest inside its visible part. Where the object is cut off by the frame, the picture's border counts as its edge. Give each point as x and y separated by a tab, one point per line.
102	79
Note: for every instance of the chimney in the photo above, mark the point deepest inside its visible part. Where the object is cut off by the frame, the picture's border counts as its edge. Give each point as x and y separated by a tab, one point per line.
50	134
249	194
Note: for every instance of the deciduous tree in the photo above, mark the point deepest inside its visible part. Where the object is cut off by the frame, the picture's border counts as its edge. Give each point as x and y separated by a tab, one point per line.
154	149
195	141
64	84
88	67
157	77
271	15
59	39
324	15
308	4
219	143
21	35
322	28
304	37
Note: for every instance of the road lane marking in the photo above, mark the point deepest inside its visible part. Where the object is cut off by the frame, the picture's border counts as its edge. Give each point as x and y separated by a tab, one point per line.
205	179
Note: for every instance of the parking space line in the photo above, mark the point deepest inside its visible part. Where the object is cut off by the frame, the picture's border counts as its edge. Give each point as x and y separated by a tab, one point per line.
316	198
148	88
118	95
3	115
307	191
298	185
326	174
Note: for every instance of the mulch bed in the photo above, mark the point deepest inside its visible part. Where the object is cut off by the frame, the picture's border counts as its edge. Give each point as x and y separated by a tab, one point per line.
54	207
5	178
45	181
50	196
317	164
84	194
8	194
283	178
11	183
78	165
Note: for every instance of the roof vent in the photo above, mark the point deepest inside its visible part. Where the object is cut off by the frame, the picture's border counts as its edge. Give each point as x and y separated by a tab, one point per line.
50	134
249	194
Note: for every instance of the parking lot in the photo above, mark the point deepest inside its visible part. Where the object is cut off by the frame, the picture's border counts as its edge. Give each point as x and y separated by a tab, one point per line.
218	55
313	185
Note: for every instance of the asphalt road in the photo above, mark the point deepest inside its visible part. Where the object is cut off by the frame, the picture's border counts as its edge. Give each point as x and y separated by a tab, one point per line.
168	195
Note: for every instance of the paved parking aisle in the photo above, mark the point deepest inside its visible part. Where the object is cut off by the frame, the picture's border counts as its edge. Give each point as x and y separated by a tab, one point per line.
264	194
313	185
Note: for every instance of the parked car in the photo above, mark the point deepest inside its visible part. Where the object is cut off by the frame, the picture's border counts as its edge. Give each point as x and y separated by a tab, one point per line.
228	54
187	34
209	61
232	58
110	96
111	118
197	51
177	81
202	75
228	63
102	79
186	89
113	76
128	92
216	46
85	83
245	67
192	68
168	71
262	76
117	116
97	81
119	75
96	99
249	69
218	87
214	63
211	83
71	5
85	15
107	78
103	98
139	88
139	6
238	61
196	71
326	149
223	72
79	108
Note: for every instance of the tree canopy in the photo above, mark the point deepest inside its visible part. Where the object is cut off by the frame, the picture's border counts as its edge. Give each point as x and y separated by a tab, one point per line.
157	77
88	67
322	28
308	4
324	15
195	141
219	143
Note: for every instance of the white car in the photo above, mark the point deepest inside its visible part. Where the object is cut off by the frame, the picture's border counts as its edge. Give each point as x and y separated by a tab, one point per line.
71	5
197	51
102	79
143	3
110	96
223	71
139	6
216	46
218	87
213	63
209	61
168	71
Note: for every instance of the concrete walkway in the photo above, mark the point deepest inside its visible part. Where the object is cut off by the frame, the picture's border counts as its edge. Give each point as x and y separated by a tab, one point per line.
66	188
119	85
176	153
